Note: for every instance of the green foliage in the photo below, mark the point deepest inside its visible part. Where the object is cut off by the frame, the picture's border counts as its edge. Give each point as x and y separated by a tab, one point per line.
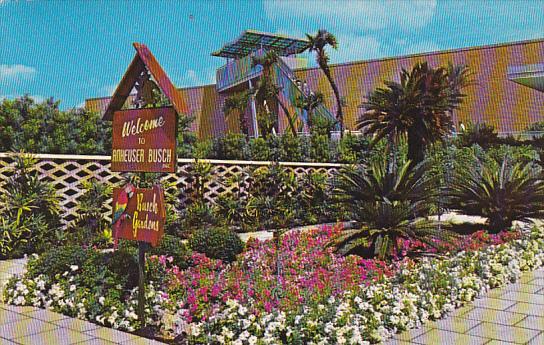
231	145
29	210
419	107
58	260
43	128
187	140
91	227
217	243
320	148
260	150
172	246
390	203
479	133
502	191
353	149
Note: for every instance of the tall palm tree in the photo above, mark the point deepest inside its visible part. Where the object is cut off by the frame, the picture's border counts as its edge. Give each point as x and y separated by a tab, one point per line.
309	103
267	91
318	43
418	107
237	103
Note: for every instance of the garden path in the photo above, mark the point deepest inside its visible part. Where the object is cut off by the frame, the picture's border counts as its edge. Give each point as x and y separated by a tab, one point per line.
513	314
33	326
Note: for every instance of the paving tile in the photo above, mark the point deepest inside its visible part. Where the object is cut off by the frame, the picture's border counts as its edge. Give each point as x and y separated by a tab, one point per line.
76	324
536	281
527	309
496	316
17	309
45	315
454	324
96	341
398	342
145	341
494	303
6	342
532	322
511	334
57	336
7	316
496	293
410	334
24	327
524	297
499	342
462	310
111	334
437	336
538	340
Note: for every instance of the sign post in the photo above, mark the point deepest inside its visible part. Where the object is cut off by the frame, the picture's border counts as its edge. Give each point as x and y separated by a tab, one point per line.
144	140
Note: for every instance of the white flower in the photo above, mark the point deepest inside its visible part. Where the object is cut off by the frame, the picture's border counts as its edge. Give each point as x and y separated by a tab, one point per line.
74	267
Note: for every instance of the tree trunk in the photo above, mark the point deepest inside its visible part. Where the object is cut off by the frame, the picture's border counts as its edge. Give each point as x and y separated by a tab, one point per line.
288	115
416	148
339	114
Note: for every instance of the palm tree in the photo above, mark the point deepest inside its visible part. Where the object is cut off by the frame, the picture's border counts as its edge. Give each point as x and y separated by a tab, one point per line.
237	103
418	107
267	91
317	43
500	191
309	103
390	204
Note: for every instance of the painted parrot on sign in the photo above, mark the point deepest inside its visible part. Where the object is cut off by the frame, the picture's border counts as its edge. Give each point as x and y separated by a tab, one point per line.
119	211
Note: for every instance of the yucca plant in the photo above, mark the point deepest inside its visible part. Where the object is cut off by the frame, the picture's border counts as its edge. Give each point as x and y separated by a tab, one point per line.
502	192
390	204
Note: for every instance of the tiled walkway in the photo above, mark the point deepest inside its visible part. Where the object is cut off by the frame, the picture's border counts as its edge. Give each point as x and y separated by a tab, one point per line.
33	326
513	314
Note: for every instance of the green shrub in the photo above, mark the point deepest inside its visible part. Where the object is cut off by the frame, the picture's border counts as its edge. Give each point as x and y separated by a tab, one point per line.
29	211
216	243
259	150
124	263
502	192
174	247
231	146
91	227
58	260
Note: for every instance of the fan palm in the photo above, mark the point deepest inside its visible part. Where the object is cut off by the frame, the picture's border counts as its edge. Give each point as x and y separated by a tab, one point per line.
390	204
418	107
318	43
500	191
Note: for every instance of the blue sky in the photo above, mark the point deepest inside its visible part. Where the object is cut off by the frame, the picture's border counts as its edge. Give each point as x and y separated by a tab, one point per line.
73	50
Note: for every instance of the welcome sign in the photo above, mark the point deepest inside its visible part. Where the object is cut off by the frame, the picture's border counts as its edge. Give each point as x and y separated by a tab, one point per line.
144	140
145	215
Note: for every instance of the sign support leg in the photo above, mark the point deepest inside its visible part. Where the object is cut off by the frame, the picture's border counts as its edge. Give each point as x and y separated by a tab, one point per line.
142	247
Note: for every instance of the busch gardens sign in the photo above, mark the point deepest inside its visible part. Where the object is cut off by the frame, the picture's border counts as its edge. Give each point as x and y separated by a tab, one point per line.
144	140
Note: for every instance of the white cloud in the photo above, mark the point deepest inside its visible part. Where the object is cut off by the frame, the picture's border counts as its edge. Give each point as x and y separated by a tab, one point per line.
194	78
421	47
36	98
353	15
354	47
16	72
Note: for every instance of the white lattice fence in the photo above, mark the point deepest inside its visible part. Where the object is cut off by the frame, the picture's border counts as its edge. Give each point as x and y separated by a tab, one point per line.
66	172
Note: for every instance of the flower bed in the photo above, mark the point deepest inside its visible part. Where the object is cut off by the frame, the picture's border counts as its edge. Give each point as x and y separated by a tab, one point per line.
317	297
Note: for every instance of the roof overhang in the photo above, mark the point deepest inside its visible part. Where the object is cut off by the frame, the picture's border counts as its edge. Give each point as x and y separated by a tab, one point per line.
528	75
251	40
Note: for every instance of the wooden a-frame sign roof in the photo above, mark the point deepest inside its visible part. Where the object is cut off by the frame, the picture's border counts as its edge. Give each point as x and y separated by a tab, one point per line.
143	60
